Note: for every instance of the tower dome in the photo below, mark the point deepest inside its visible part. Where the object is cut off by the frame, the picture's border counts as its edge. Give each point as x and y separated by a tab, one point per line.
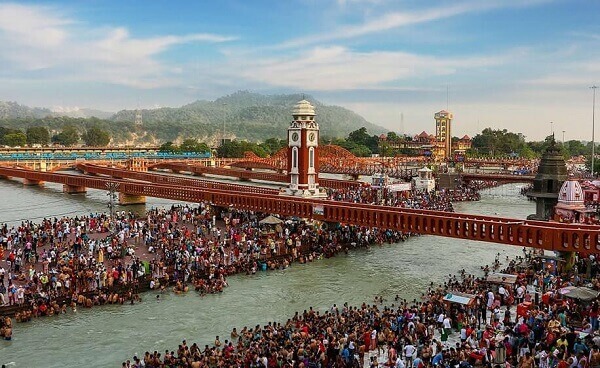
303	108
571	194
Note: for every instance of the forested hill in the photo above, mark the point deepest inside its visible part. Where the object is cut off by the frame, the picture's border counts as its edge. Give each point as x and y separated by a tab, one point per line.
247	115
12	110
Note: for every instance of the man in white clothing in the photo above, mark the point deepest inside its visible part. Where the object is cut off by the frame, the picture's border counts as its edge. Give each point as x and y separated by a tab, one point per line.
409	353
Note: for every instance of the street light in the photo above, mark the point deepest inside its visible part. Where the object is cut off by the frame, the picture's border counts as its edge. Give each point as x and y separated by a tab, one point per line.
552	129
593	121
563	140
112	188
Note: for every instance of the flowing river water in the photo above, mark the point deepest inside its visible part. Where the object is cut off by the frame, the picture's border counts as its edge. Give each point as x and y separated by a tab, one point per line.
108	335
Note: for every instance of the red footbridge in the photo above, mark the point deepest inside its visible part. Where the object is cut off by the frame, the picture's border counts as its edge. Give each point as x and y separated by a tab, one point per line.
524	233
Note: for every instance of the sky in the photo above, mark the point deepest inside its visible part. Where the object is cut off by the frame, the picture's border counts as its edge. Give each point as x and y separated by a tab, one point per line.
521	65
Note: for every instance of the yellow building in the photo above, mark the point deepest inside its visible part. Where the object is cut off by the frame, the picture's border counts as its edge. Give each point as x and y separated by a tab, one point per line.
443	134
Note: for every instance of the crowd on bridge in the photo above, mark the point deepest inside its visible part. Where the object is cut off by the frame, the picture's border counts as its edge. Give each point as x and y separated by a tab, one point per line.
503	324
440	200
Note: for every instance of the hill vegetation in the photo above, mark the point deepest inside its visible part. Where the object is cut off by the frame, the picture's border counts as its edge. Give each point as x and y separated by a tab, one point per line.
246	116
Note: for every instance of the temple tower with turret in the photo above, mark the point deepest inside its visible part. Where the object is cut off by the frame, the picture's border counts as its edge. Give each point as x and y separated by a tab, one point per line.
552	172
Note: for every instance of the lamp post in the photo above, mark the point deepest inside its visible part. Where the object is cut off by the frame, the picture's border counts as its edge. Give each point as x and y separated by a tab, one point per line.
563	137
112	188
593	121
552	129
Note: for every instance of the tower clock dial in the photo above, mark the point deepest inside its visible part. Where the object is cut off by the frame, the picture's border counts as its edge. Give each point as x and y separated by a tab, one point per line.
311	137
294	136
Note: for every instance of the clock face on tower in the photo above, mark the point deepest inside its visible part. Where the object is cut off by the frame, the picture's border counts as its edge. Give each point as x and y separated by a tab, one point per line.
294	136
311	137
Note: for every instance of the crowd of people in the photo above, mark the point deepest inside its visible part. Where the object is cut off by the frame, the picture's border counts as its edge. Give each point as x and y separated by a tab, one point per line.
60	264
418	199
487	331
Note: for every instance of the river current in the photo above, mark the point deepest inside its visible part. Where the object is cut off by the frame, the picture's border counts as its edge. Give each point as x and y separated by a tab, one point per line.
108	335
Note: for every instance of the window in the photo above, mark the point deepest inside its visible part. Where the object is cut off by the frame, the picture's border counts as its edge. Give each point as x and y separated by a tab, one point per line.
294	157
311	157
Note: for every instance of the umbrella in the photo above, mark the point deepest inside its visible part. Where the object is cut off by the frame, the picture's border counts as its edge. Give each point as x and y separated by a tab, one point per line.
270	220
581	293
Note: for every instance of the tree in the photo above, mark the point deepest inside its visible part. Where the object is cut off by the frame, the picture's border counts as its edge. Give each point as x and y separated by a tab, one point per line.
96	137
359	136
192	145
236	149
6	131
588	165
392	137
38	135
68	137
15	139
499	143
168	147
272	145
357	149
576	148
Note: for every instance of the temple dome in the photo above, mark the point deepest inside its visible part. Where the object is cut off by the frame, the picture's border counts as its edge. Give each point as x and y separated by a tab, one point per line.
303	108
571	193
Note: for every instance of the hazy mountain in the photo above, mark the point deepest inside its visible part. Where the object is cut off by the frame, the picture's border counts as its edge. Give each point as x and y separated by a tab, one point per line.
78	112
12	110
246	115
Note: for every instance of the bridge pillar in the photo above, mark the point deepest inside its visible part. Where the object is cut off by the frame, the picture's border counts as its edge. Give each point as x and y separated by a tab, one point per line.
127	199
30	182
74	189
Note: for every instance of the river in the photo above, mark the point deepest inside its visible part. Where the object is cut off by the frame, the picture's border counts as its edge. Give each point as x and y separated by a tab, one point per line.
108	335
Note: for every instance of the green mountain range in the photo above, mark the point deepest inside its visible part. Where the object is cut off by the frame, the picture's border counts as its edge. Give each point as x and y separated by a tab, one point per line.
244	115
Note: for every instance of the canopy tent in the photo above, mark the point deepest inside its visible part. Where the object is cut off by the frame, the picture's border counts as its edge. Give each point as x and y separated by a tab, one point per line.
579	293
270	220
501	278
460	298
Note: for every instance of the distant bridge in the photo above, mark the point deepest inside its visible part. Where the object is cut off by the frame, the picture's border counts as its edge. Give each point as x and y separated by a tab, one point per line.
247	174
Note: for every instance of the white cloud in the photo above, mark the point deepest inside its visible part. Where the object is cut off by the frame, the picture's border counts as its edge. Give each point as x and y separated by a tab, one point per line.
33	26
38	38
339	68
396	19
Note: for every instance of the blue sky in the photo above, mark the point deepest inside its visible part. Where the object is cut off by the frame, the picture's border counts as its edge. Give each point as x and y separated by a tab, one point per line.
514	64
